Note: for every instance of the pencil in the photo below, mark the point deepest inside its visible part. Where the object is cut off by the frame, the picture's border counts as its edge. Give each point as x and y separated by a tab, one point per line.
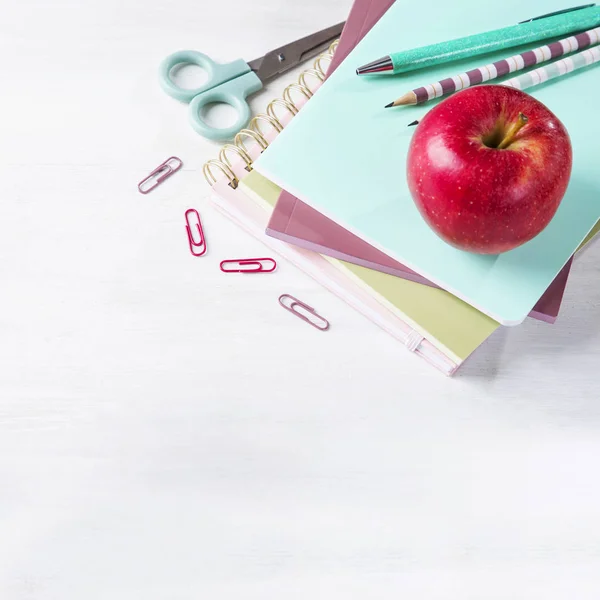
556	69
499	68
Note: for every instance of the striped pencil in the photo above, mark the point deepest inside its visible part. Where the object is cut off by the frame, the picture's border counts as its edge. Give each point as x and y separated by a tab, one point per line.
555	69
499	68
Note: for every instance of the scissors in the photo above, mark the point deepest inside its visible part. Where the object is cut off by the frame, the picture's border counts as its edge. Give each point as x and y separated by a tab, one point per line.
233	82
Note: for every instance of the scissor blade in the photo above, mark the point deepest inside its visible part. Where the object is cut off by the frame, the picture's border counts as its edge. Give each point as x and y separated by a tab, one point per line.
282	59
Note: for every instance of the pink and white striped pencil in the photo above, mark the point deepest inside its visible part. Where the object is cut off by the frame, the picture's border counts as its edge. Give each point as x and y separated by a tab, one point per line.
499	68
556	69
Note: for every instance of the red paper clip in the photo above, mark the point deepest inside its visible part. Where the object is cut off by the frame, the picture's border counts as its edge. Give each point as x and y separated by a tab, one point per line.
297	303
196	248
162	172
257	263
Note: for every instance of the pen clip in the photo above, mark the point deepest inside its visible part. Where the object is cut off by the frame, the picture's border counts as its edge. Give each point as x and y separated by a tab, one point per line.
558	12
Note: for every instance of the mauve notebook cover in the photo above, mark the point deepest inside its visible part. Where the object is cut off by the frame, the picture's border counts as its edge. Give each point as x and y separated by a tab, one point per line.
297	223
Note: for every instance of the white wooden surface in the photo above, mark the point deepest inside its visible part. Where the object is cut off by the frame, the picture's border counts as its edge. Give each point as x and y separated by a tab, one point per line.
168	432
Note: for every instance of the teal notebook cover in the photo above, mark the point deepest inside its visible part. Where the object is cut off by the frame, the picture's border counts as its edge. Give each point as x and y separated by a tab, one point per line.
345	155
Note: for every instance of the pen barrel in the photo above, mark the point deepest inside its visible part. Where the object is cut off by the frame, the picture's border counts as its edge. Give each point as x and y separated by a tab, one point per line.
499	39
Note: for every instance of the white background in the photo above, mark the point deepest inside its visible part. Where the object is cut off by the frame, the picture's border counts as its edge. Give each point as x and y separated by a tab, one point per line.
169	432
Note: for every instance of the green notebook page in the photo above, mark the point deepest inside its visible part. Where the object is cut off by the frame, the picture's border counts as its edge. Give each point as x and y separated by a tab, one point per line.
451	325
345	155
592	234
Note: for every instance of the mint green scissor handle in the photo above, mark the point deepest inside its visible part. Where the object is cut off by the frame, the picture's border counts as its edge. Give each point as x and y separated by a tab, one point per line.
229	83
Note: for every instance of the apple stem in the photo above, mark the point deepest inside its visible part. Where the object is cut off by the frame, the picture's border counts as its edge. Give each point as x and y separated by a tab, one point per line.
513	130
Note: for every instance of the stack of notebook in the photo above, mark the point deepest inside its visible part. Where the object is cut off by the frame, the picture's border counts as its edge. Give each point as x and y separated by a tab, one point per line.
330	193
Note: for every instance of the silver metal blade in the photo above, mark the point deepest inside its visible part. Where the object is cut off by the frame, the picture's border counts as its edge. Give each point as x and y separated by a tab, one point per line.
282	59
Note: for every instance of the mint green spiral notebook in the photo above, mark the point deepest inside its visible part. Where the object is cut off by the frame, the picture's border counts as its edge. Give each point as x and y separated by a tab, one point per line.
345	155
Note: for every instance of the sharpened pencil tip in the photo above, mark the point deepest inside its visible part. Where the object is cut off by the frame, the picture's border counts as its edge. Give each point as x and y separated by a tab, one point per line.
413	124
389	105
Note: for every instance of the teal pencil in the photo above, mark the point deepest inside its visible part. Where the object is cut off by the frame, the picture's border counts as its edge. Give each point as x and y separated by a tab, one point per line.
540	28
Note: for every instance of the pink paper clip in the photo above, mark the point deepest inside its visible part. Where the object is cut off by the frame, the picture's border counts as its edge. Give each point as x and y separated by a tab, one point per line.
162	172
196	248
257	263
309	309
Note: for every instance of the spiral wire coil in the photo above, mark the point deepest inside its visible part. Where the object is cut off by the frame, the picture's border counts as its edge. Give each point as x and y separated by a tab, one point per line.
268	119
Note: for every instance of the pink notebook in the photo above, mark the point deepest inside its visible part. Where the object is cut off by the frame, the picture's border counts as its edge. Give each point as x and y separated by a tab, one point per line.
296	223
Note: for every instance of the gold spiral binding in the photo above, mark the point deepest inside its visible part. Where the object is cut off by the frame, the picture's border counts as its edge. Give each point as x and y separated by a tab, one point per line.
239	151
289	107
296	86
314	73
254	132
317	64
272	121
251	133
210	177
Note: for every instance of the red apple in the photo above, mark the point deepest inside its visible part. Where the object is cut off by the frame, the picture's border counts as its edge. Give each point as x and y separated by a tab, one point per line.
488	168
